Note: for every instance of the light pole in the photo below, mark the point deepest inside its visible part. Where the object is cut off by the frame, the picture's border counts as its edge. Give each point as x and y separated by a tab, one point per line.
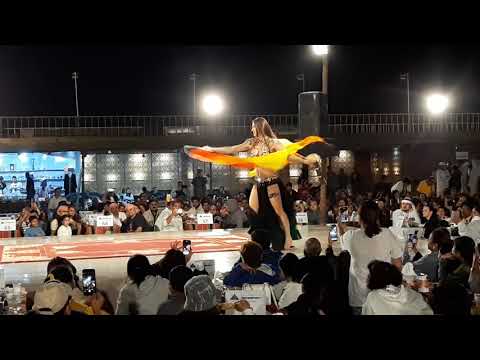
194	77
75	77
322	51
301	77
406	77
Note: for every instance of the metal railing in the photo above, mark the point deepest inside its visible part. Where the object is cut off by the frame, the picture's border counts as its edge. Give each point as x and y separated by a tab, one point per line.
284	125
57	126
378	124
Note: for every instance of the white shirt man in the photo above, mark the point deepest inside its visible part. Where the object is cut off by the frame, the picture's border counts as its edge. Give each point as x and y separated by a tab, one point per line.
169	219
471	227
196	208
407	211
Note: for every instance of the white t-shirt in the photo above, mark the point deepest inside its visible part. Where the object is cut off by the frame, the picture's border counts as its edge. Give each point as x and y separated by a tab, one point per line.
398	217
395	301
121	218
290	294
175	225
363	250
64	231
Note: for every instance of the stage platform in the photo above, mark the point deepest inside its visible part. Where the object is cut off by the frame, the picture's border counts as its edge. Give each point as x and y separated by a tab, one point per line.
25	259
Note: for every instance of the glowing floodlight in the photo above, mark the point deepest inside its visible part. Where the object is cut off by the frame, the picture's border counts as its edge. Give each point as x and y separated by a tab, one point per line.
320	50
437	104
213	104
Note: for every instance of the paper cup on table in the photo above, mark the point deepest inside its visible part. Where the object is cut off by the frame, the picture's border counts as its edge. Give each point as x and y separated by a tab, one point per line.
422	280
408	273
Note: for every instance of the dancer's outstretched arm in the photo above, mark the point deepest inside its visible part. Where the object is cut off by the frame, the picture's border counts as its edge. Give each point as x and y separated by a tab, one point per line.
228	150
299	159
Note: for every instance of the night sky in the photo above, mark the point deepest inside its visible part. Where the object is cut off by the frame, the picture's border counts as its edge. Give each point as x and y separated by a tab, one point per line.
154	79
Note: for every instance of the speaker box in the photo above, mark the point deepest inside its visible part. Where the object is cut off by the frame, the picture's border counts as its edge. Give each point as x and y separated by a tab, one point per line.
313	120
312	114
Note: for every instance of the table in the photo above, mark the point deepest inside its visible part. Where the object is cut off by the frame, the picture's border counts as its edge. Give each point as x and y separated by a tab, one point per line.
17	303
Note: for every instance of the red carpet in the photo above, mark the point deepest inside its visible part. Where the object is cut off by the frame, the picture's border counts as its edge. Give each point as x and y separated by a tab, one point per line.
110	249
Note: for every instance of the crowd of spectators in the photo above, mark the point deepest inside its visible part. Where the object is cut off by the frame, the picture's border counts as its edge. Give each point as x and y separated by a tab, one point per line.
369	276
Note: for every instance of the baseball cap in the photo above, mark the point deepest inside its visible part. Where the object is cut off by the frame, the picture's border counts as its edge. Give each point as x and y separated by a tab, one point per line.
200	294
51	297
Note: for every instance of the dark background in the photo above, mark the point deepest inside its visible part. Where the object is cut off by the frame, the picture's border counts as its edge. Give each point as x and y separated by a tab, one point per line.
257	79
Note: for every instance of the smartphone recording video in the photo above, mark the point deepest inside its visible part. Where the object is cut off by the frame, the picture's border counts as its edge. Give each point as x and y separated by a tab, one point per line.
187	247
333	233
89	282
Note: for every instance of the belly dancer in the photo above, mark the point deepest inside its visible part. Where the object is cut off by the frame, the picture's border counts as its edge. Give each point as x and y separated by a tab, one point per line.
267	156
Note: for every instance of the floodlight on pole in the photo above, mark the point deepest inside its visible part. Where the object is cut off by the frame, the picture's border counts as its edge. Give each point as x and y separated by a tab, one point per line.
437	104
212	104
320	50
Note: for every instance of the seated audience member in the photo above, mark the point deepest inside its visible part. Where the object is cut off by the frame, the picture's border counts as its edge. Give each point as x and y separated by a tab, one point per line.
118	217
313	213
312	261
236	217
292	288
34	230
174	257
313	300
62	210
196	208
470	224
135	221
144	292
269	256
152	214
463	251
65	231
450	297
406	215
206	206
432	222
175	303
52	298
388	296
201	297
76	222
60	269
443	214
170	219
384	217
251	270
439	243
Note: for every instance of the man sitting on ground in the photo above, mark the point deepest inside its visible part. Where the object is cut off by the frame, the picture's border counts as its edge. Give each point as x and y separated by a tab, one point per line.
135	221
251	270
152	214
439	243
179	276
170	218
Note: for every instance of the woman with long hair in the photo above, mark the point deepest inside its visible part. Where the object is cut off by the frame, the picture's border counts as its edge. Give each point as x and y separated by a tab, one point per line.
370	242
267	156
144	291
